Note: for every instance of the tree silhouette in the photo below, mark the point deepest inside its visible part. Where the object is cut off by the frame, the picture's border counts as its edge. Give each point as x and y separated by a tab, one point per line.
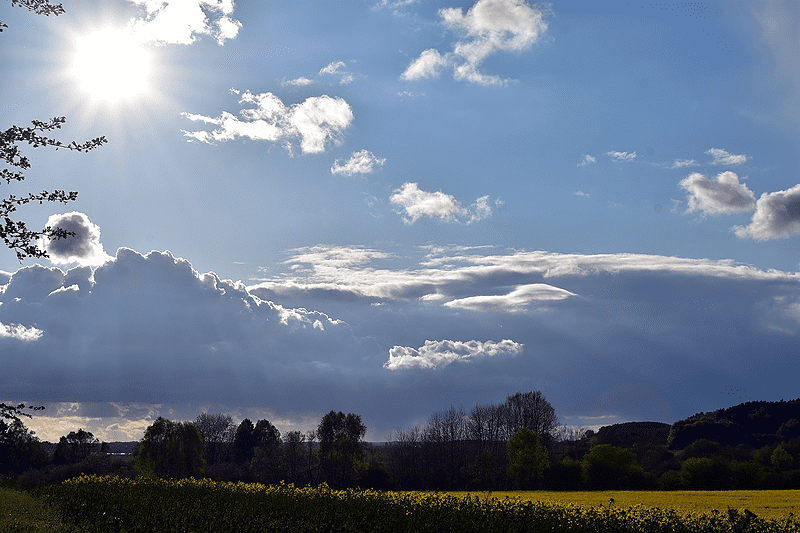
40	7
15	234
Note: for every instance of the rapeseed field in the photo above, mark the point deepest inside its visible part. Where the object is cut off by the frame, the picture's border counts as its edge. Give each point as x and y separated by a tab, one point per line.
115	504
774	504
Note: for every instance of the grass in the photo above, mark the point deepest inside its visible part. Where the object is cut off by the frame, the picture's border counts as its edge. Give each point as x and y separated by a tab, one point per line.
773	504
21	512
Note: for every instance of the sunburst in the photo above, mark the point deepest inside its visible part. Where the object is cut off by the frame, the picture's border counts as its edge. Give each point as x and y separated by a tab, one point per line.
112	65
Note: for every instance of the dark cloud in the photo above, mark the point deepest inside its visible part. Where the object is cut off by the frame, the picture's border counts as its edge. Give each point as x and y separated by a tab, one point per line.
628	337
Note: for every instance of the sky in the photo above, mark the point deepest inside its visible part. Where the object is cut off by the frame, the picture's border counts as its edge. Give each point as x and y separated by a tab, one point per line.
391	207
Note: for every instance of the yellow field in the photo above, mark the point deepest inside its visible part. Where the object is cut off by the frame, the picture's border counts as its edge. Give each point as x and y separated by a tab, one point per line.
764	503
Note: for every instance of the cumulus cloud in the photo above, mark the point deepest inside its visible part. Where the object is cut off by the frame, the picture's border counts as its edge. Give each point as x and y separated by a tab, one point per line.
149	328
488	27
716	196
721	157
587	159
622	156
361	162
777	216
517	301
83	248
316	121
181	21
416	203
581	193
434	354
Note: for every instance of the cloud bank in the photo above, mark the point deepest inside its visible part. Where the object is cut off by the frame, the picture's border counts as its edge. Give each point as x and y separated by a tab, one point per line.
317	121
488	27
350	328
416	203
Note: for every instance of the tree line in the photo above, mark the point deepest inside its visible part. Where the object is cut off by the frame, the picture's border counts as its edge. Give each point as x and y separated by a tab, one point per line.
516	444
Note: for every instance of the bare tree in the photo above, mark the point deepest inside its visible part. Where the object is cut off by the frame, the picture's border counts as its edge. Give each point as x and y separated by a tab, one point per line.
485	423
218	431
530	410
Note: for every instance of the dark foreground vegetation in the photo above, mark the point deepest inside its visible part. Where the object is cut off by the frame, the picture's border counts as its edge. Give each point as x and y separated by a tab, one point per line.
214	475
515	445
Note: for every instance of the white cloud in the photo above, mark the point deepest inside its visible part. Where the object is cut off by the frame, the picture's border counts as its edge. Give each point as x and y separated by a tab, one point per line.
777	216
622	156
351	272
517	301
394	4
332	68
83	248
488	27
443	353
316	121
298	82
721	157
715	196
586	160
581	193
416	203
428	65
362	162
180	21
683	163
19	332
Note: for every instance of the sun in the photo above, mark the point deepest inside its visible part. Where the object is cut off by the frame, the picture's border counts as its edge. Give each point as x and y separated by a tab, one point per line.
112	65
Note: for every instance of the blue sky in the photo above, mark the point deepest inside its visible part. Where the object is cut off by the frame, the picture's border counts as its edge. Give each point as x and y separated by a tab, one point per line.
388	207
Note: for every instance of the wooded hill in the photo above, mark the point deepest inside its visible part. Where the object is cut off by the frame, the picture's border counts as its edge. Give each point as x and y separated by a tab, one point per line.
754	424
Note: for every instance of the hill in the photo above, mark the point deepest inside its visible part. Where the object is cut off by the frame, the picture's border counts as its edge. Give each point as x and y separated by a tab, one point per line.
755	423
634	434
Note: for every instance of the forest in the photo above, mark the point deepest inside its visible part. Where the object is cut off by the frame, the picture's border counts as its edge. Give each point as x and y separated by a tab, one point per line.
517	444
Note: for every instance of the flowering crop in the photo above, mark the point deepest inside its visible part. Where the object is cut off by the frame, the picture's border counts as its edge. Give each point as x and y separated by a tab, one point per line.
192	505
